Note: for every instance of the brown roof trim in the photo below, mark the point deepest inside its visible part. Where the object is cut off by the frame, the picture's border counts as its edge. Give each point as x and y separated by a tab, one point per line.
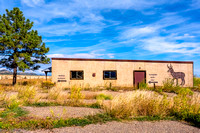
119	60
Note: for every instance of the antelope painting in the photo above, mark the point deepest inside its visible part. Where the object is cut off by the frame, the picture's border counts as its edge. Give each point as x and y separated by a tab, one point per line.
177	75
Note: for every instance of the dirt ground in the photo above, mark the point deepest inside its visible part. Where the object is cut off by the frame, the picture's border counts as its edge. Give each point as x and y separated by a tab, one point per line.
125	127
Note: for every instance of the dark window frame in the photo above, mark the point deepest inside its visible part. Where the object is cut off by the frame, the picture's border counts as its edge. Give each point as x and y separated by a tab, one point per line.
76	75
110	78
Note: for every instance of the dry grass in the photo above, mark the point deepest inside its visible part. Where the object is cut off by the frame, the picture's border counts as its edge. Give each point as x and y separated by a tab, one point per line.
90	95
137	103
58	95
185	105
123	105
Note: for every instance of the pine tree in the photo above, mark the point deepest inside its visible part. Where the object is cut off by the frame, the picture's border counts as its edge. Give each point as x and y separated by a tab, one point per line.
21	48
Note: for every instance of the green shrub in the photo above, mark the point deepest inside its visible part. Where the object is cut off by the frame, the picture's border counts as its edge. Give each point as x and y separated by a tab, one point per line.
196	81
16	111
47	85
103	97
187	106
143	85
168	86
50	123
184	92
28	82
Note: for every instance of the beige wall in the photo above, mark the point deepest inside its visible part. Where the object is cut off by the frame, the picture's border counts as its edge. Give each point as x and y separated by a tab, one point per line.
124	72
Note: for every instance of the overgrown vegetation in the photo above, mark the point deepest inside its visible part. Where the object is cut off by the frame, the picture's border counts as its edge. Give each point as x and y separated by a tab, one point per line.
138	103
26	94
184	106
144	104
75	96
47	85
103	97
196	81
52	123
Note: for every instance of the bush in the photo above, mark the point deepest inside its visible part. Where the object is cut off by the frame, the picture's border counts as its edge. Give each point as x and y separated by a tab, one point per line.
196	81
17	112
187	106
143	85
28	82
168	86
47	85
103	97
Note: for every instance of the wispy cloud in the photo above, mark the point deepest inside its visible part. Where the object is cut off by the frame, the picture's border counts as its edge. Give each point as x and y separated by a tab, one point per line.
159	45
133	29
161	37
93	54
55	40
33	3
138	32
69	29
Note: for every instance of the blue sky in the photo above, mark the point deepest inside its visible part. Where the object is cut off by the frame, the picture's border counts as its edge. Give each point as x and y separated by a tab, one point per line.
119	29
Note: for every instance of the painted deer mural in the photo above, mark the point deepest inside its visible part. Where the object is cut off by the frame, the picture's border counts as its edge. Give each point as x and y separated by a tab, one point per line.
177	75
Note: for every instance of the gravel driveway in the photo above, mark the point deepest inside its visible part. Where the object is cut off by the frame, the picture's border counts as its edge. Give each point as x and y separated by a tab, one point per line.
126	127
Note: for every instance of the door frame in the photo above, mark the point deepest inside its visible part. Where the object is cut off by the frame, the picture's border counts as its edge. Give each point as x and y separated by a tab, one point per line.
138	71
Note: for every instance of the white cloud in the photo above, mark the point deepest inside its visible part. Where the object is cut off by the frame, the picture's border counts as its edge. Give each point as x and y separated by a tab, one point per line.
153	29
93	54
159	45
87	12
33	3
69	29
195	4
55	40
138	32
184	36
149	37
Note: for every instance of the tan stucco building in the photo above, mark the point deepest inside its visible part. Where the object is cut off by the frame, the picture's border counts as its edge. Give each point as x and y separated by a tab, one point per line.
120	73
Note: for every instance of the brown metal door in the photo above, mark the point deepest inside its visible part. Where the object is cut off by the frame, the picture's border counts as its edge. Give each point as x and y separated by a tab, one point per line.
139	76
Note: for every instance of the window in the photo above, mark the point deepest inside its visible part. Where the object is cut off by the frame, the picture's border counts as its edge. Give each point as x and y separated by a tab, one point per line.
109	75
76	75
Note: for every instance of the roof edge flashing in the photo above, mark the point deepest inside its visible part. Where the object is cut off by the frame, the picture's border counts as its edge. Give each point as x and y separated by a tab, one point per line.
122	60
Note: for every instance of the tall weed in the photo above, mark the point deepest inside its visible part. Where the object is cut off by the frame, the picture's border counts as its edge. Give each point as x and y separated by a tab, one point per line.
27	94
75	96
138	103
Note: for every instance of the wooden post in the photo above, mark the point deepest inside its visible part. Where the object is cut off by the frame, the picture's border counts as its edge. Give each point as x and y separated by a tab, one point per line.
46	74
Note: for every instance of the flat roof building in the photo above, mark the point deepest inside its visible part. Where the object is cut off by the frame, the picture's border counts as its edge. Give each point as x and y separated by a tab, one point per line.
120	73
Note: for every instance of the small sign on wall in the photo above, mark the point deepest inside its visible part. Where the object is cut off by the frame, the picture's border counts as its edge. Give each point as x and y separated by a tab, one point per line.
61	78
153	78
